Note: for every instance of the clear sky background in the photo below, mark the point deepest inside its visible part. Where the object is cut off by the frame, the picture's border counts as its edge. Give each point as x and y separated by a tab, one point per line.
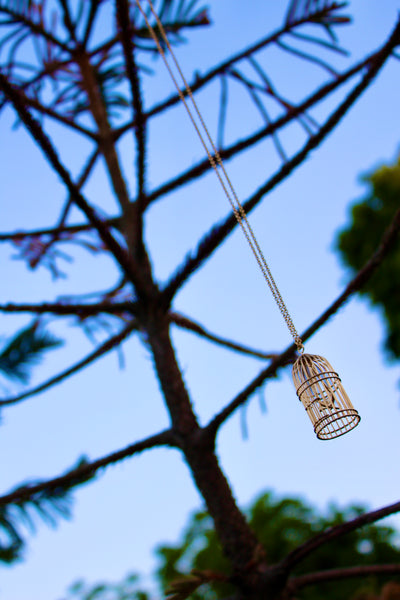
144	501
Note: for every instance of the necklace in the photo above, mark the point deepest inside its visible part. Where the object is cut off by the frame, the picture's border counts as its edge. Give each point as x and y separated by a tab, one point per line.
318	386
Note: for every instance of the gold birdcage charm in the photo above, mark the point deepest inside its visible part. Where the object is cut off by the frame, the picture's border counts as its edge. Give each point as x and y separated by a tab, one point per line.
321	392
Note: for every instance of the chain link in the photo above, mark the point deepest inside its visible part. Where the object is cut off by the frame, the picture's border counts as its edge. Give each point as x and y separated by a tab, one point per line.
216	161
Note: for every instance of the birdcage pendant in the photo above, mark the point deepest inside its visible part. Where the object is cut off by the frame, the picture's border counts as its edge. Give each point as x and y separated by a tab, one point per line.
322	394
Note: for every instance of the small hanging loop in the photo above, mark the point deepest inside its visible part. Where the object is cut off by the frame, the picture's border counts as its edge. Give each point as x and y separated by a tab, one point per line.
299	344
322	394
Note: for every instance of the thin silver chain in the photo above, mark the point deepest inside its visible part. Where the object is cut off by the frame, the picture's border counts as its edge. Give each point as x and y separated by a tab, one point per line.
216	161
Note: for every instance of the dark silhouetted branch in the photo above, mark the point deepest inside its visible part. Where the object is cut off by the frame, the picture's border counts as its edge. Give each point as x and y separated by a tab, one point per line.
165	438
78	310
300	553
56	231
185	323
126	32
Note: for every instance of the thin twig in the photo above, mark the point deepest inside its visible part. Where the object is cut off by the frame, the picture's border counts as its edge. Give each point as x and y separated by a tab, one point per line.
305	56
164	438
190	325
109	345
68	122
57	231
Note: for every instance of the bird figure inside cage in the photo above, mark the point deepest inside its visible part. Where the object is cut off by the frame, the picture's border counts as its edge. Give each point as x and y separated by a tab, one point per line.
322	394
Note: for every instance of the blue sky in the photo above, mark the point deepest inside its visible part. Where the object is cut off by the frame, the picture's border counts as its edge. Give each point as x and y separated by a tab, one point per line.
133	506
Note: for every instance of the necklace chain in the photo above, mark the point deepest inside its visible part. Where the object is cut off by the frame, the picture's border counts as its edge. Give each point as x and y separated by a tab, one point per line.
217	164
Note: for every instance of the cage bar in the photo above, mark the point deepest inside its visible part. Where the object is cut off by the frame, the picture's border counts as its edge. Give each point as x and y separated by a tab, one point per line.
321	392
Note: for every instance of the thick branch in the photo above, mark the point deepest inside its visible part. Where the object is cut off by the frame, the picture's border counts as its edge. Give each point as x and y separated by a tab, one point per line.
190	325
300	553
238	541
109	345
215	237
335	574
165	438
125	30
105	134
17	99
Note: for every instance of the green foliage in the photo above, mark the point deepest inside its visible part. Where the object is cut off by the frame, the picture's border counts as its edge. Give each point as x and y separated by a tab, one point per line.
49	504
282	524
357	242
24	351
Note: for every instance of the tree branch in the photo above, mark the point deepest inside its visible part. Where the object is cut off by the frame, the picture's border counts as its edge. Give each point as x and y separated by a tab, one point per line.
110	344
226	154
126	32
57	231
34	28
49	112
17	99
304	550
218	233
190	325
296	583
78	310
107	143
164	438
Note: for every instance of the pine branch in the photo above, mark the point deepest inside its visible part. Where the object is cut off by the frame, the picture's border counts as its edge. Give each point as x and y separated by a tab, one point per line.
128	267
49	505
82	473
203	166
25	350
304	550
34	28
185	323
110	344
297	583
216	236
